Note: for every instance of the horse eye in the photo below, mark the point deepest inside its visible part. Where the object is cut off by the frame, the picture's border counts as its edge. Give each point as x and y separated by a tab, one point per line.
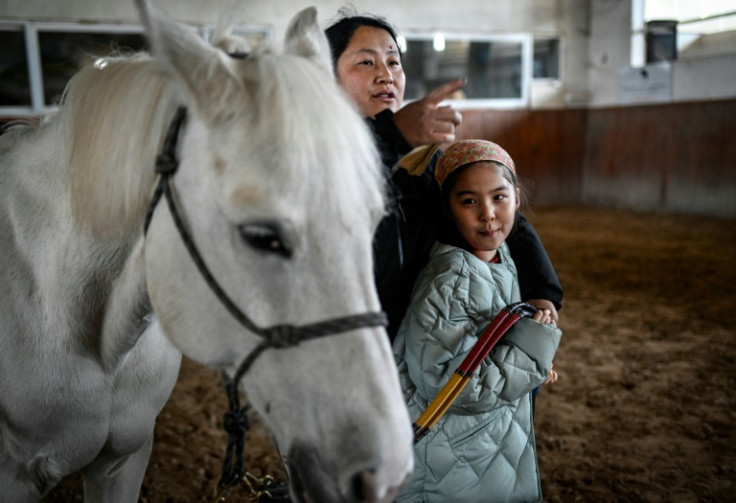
266	238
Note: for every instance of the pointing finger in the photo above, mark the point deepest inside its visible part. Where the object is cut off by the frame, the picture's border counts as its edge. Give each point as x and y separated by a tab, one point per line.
449	114
438	94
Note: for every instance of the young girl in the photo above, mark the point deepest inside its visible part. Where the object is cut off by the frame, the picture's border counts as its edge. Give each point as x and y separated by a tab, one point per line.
483	449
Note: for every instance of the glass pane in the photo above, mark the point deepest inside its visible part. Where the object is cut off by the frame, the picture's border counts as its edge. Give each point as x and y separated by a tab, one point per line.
15	89
547	58
63	53
694	16
493	68
686	9
717	25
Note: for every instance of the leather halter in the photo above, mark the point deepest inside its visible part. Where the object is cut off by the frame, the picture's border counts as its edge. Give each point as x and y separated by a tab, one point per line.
277	336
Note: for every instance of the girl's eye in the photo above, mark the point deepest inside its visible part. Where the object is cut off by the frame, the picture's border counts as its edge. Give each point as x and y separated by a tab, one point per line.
468	201
366	62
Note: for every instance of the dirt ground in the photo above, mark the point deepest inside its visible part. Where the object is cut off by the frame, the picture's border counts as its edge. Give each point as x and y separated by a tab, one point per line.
644	410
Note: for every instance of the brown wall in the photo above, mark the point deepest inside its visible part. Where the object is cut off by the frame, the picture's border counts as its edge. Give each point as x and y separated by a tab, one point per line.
547	147
678	157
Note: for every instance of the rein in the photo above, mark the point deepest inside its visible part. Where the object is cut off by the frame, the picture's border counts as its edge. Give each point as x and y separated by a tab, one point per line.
236	421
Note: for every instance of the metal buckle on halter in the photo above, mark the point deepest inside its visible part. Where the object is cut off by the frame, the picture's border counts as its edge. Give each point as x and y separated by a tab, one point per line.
166	161
258	489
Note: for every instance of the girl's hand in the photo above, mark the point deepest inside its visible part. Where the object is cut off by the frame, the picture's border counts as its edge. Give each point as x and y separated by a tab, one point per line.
545	305
543	316
551	377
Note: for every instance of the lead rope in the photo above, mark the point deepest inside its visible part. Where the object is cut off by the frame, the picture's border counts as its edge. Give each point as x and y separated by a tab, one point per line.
236	423
278	336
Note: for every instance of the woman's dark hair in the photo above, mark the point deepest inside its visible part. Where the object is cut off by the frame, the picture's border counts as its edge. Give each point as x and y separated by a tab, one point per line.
446	229
341	32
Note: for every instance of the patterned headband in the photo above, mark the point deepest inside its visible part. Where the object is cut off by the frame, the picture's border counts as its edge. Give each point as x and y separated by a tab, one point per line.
465	152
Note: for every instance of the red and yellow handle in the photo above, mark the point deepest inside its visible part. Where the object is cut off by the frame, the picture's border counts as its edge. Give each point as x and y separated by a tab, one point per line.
504	320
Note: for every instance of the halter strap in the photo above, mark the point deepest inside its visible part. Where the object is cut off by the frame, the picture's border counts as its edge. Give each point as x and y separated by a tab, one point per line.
276	336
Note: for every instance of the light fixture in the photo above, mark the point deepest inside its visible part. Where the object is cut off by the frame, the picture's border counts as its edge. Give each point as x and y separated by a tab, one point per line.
403	47
439	42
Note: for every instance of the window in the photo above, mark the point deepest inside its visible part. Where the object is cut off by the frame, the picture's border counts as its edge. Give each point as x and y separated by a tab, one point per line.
693	21
546	58
15	88
695	16
37	59
498	68
64	52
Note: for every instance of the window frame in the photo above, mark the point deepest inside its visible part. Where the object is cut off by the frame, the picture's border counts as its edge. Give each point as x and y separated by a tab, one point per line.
31	30
527	59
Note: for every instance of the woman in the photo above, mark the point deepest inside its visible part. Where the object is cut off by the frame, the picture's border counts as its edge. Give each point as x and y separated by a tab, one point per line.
367	61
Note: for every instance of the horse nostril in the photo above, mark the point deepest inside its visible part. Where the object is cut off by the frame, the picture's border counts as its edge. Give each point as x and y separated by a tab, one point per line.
364	486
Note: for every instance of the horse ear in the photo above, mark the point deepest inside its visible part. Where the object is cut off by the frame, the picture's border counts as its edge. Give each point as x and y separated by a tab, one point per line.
305	38
199	69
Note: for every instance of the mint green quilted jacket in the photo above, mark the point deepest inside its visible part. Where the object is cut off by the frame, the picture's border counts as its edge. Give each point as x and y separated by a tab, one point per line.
483	449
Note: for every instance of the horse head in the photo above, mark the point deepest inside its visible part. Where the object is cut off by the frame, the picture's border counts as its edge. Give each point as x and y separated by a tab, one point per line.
280	188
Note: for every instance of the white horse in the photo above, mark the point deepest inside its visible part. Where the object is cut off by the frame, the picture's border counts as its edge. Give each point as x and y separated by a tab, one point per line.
279	188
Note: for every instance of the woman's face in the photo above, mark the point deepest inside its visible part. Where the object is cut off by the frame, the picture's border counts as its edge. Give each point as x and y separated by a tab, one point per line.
370	71
483	204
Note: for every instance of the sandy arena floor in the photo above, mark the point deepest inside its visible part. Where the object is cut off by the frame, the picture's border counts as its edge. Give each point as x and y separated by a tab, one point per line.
645	407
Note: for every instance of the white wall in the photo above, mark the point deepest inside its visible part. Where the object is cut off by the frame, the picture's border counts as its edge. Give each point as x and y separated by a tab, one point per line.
707	77
610	48
595	35
481	16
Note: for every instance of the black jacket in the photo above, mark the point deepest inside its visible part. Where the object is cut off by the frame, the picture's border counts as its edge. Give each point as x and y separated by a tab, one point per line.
404	237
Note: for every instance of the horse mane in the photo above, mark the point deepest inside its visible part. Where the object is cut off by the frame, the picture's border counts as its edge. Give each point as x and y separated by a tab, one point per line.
113	115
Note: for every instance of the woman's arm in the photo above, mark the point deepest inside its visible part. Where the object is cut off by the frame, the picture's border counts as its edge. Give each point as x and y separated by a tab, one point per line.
389	140
537	276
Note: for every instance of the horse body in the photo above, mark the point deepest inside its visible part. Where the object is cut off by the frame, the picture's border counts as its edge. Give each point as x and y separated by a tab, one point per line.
85	370
280	188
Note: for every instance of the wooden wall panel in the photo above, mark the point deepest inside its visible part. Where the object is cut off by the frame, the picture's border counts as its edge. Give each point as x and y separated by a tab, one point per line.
674	157
547	147
677	157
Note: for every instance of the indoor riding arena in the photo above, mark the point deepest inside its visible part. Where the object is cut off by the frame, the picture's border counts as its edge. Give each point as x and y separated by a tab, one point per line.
644	408
631	186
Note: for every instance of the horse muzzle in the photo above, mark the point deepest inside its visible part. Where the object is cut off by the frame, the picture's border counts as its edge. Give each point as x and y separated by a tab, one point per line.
314	481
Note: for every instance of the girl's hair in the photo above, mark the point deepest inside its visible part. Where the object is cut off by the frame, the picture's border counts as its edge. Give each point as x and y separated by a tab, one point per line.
446	229
341	32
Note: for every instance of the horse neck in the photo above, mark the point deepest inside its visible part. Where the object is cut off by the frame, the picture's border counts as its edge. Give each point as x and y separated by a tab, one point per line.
70	289
93	293
82	181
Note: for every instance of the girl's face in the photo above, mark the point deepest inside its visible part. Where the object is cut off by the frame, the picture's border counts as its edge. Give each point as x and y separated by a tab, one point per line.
370	71
483	204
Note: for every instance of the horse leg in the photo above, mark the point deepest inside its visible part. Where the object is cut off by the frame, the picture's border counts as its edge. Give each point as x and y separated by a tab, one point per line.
18	491
27	482
117	479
